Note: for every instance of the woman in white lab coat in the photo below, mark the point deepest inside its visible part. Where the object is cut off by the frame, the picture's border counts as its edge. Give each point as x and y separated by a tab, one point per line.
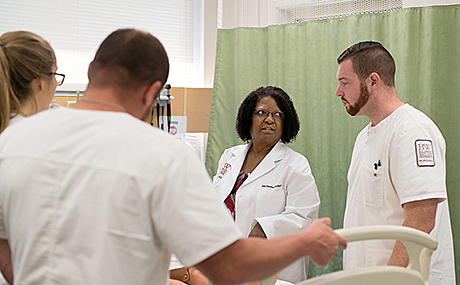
268	188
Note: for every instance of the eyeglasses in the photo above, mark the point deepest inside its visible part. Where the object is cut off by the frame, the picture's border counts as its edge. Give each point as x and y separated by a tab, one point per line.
264	114
59	78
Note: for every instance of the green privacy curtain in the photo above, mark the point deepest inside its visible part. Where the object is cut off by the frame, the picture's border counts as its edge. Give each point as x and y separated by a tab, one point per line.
301	59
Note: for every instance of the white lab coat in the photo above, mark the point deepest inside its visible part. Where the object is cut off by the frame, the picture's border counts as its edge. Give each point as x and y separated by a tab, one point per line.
280	194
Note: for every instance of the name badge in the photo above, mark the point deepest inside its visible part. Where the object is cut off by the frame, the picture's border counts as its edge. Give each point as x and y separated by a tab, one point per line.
425	153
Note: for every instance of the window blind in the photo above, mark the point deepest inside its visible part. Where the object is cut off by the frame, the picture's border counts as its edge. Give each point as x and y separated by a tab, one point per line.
75	30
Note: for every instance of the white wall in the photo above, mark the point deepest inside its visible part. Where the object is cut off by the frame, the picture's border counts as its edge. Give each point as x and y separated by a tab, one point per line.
210	40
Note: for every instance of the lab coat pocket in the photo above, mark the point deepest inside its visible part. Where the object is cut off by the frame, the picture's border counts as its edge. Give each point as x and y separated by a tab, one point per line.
377	256
371	185
270	201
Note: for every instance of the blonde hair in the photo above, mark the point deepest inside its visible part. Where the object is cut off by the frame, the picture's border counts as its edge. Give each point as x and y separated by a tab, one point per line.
24	56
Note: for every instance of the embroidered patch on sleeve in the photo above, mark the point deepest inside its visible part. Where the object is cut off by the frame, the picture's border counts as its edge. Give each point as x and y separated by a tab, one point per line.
424	152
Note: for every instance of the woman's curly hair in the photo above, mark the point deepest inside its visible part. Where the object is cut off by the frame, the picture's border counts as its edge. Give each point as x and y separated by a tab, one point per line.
291	124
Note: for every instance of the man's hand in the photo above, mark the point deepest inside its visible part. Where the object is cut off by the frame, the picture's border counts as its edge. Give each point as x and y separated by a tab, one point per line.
323	241
254	258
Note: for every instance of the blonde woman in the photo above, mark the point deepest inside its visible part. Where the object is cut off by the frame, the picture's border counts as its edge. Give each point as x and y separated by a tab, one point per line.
28	77
28	80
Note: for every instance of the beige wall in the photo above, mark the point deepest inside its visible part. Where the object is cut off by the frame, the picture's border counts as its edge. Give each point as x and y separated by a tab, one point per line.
195	103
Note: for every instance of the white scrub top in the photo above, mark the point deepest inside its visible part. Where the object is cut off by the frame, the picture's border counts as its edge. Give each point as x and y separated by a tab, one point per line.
90	197
400	160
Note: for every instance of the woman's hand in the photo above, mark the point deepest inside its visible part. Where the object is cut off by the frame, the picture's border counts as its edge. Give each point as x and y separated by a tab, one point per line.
195	277
257	231
176	282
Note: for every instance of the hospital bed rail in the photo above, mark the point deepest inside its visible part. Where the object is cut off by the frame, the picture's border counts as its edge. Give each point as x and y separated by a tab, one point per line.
419	245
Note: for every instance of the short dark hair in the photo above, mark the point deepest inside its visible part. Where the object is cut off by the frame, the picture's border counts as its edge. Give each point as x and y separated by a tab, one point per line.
368	57
291	124
131	58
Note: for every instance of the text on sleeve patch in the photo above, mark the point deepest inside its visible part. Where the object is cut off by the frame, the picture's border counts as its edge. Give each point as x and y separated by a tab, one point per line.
425	153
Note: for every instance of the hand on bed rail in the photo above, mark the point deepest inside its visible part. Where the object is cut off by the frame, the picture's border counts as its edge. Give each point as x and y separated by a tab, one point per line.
324	242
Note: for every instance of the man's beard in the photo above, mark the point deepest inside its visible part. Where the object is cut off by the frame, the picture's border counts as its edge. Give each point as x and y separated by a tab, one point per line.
362	100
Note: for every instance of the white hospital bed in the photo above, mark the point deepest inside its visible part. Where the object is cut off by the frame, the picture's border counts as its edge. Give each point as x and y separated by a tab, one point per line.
419	245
